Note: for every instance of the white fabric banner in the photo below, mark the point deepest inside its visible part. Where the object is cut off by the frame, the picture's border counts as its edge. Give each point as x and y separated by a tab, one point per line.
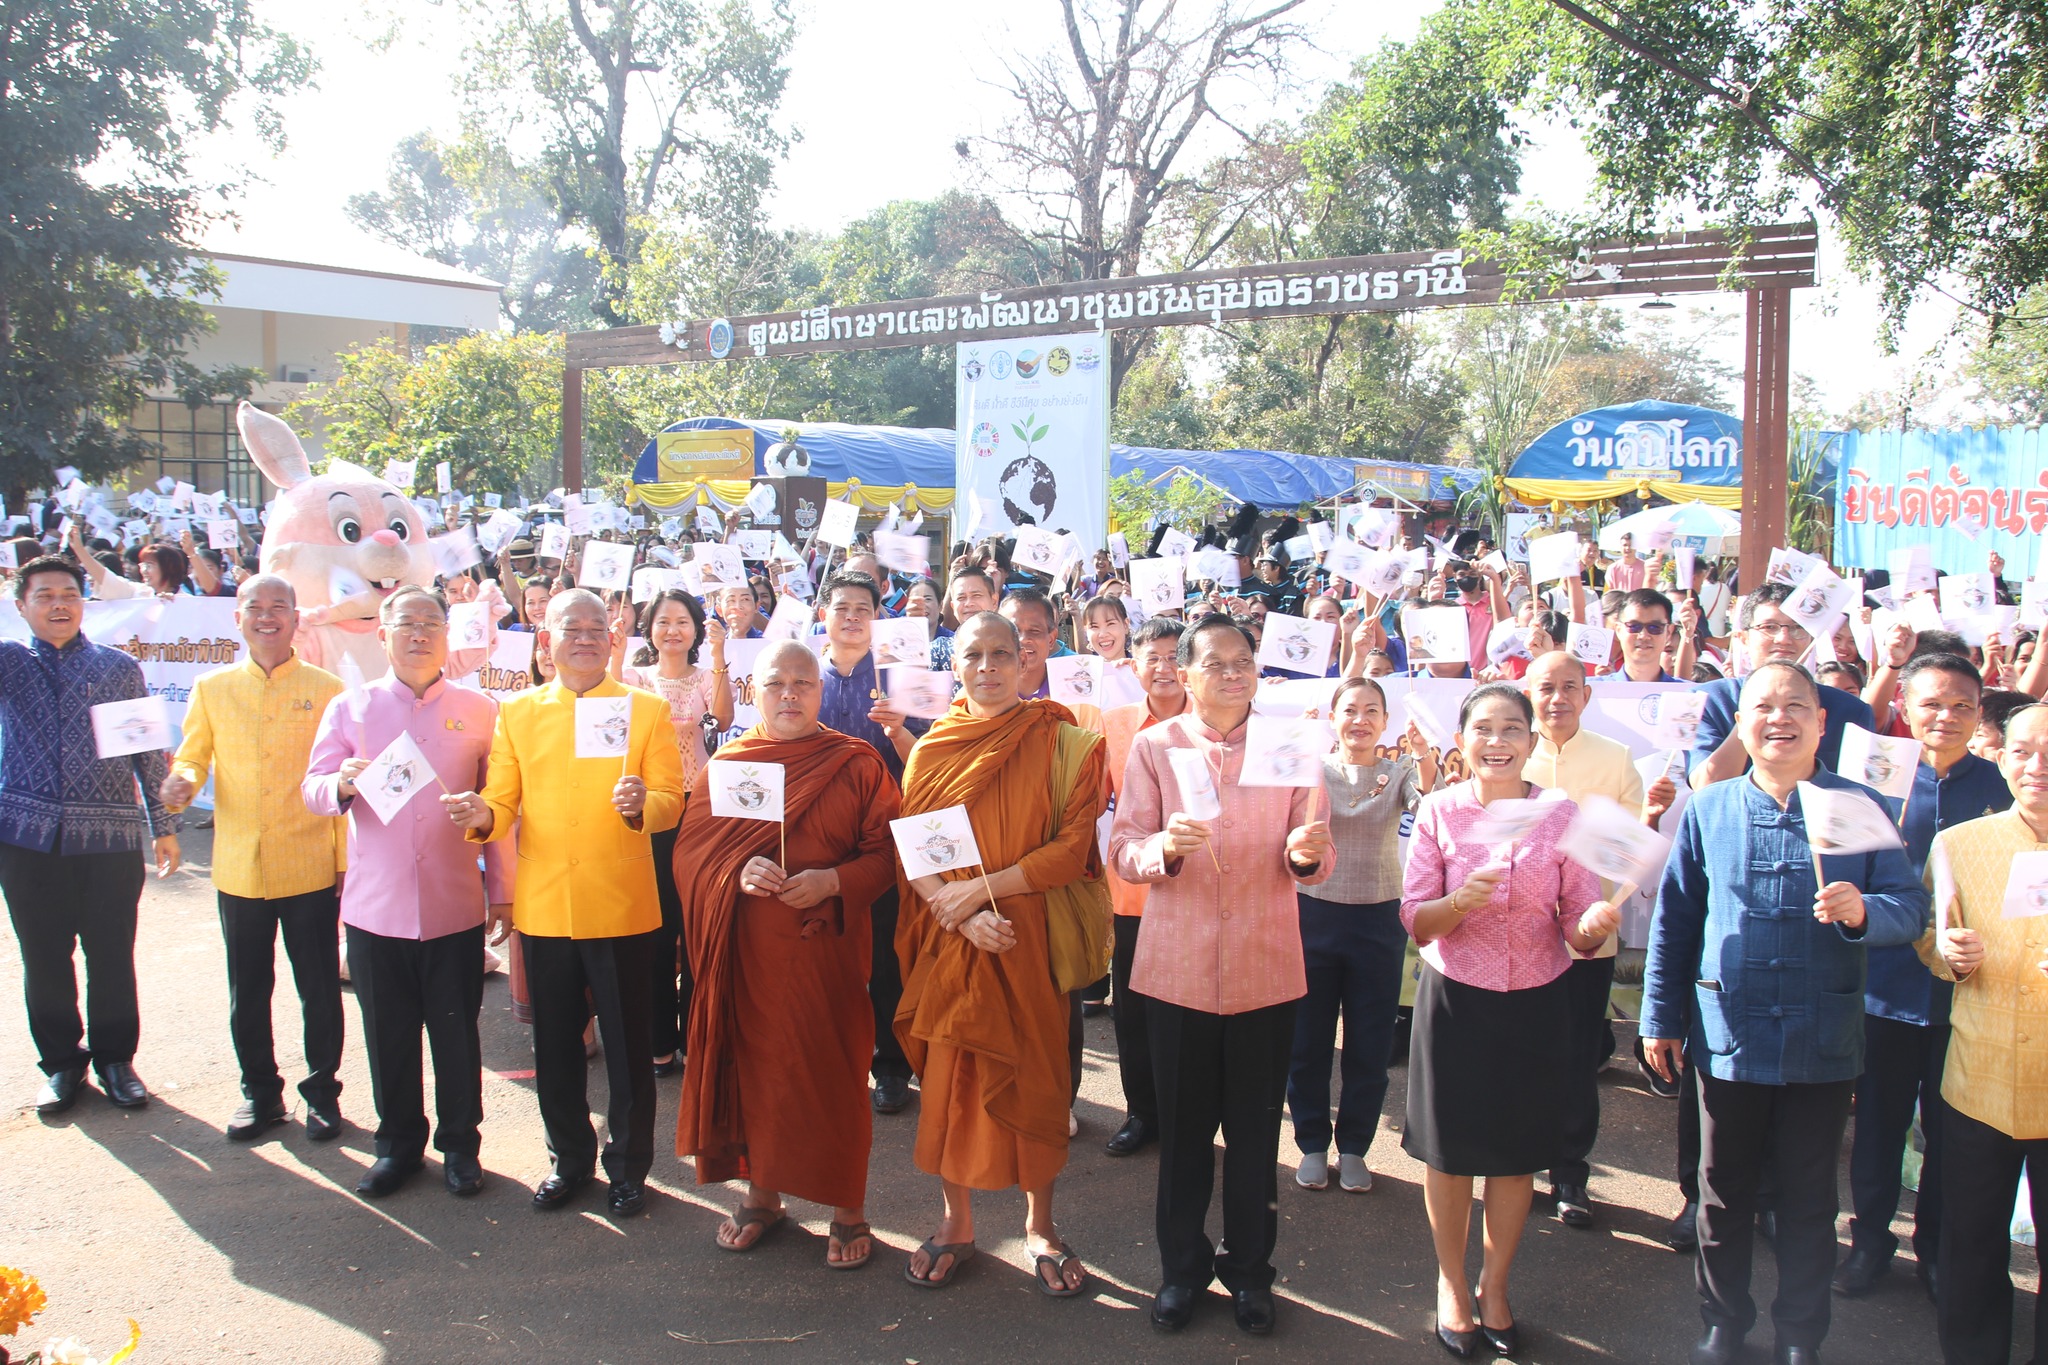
1032	433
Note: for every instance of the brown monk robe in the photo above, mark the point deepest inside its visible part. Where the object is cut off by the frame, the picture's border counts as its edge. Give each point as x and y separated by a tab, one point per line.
780	1030
981	1021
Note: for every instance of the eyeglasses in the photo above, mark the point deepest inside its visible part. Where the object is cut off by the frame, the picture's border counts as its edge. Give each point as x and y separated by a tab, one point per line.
1646	627
420	629
1779	630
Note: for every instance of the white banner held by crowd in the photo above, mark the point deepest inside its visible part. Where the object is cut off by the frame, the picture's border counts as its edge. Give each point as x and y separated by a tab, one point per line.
1031	417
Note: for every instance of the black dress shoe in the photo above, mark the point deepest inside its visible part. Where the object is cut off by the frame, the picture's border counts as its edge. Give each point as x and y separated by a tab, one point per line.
387	1175
1132	1138
1254	1310
558	1190
892	1093
1574	1207
1174	1307
1094	1009
1860	1271
672	1067
461	1174
124	1088
1798	1355
1720	1346
1929	1274
627	1198
323	1121
1685	1230
60	1090
1460	1344
1767	1227
254	1119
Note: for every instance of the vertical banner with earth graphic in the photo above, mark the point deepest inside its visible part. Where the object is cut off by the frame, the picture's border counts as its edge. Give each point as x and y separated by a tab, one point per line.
1032	423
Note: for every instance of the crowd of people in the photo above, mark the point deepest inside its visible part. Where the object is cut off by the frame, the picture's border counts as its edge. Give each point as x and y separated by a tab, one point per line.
803	975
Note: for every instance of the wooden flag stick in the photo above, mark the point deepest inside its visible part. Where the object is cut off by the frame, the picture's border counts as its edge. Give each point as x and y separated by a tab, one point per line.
988	890
782	828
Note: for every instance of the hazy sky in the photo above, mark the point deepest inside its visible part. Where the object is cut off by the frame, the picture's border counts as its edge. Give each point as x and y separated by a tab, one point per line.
879	91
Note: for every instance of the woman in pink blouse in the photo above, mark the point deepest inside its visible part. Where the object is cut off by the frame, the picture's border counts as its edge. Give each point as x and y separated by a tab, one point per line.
675	630
1487	1070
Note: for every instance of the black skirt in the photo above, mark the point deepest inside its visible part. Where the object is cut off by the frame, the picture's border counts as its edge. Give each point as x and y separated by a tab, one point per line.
1487	1075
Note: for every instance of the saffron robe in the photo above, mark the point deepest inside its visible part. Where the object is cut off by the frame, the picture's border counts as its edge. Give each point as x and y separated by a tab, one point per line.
781	1031
987	1032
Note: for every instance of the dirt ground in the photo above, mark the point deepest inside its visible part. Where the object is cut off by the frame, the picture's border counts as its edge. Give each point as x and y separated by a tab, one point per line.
264	1252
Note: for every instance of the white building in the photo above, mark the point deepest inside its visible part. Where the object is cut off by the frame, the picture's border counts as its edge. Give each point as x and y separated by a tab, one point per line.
293	301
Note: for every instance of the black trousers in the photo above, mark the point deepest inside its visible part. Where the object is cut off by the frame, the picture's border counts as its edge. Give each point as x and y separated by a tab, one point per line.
405	986
1688	1130
1353	954
672	988
1902	1066
250	929
1226	1071
1982	1179
1588	982
613	972
1131	1014
885	989
60	902
1797	1131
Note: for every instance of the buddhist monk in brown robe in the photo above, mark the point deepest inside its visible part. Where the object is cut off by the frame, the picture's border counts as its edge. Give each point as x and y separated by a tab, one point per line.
781	1032
983	1024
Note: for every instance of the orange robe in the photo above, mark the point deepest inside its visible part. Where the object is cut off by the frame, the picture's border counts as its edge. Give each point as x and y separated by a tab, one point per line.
987	1032
781	1032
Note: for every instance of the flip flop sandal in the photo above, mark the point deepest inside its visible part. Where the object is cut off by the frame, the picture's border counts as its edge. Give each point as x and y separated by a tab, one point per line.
845	1234
1058	1260
961	1252
744	1218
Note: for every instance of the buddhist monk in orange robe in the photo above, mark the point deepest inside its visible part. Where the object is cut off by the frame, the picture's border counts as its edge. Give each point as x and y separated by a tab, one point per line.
981	1021
781	1031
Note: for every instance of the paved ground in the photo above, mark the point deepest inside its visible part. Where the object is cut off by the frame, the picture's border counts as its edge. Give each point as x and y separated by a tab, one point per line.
224	1251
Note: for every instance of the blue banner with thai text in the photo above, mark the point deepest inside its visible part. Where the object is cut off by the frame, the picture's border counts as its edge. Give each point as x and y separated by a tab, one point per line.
1964	493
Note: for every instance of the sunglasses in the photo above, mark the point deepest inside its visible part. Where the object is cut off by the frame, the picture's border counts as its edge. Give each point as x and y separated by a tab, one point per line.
1646	627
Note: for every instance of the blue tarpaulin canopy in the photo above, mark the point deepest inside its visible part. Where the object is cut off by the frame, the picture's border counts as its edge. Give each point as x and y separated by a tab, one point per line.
924	457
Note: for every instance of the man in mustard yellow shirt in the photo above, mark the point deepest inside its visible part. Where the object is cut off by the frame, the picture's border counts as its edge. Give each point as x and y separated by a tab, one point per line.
274	861
584	898
1991	938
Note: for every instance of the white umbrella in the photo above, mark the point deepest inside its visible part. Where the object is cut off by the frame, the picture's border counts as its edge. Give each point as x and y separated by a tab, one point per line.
1710	531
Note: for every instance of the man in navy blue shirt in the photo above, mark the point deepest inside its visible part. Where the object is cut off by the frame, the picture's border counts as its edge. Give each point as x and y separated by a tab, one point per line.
853	704
1906	1007
72	831
1769	633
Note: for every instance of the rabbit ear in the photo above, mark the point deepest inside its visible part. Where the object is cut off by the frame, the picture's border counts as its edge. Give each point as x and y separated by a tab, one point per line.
272	445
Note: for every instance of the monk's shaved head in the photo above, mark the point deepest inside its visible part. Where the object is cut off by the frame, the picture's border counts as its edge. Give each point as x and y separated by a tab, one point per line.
787	657
570	602
988	620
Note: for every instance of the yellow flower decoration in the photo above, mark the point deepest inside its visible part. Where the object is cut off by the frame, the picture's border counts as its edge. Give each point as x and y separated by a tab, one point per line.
21	1298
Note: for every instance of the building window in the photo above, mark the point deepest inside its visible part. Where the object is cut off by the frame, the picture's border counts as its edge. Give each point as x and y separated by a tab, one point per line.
199	446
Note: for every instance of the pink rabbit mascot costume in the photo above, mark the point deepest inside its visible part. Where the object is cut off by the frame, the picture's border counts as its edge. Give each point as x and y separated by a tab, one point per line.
345	540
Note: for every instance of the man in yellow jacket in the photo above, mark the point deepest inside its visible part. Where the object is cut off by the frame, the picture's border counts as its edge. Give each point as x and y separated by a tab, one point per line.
587	787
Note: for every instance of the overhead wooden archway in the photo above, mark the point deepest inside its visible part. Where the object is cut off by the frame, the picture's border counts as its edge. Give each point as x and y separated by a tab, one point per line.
1767	264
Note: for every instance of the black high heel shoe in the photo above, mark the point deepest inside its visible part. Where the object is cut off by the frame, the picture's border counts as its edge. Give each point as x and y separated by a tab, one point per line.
1505	1341
1459	1344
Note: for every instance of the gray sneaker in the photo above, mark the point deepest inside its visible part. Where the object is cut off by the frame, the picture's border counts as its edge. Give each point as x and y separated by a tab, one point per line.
1314	1171
1352	1175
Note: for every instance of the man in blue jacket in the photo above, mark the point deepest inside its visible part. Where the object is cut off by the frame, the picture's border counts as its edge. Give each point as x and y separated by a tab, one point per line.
1905	1025
1769	632
1757	968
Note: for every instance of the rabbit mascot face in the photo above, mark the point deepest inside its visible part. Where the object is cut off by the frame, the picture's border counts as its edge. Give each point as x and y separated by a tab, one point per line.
345	540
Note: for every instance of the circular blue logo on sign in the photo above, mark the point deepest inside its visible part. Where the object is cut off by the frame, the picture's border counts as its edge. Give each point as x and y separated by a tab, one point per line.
718	338
999	364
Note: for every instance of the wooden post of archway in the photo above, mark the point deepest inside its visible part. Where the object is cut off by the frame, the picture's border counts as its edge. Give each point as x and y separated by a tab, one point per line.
1768	263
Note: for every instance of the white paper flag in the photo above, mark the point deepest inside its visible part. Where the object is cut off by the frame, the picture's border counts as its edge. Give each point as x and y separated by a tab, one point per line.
1119	550
1283	753
444	480
1075	679
607	564
757	546
708	520
791	619
1197	783
223	535
455	552
394	777
1677	721
1161	584
901	640
904	554
604	726
497	531
469	625
1605	838
1879	761
1375	527
2034	603
1348	560
137	726
1507	820
554	542
1684	564
935	842
1383	575
1176	543
1554	556
720	566
1912	570
745	791
1436	635
1590	645
1967	594
1296	644
1506	641
1821	600
2026	886
837	522
398	473
1037	549
1839	821
919	692
761	499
